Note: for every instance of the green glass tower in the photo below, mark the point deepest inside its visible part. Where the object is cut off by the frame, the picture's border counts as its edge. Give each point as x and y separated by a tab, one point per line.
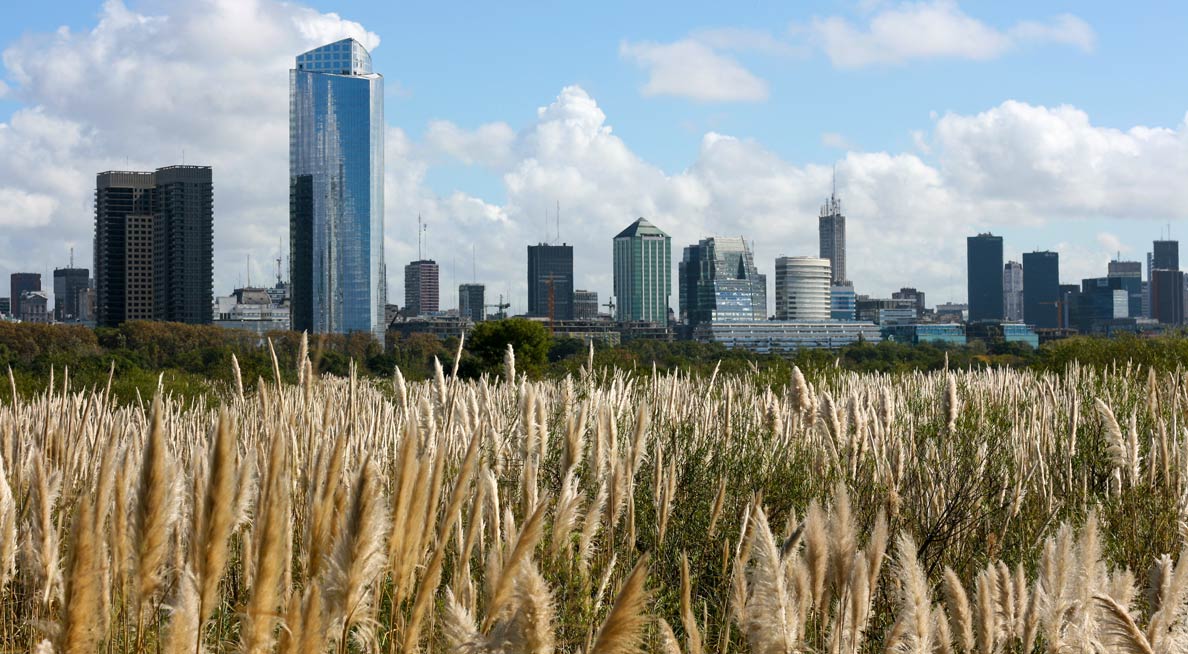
643	273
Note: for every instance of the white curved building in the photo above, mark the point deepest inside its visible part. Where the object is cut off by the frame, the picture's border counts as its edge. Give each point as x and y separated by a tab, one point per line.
802	288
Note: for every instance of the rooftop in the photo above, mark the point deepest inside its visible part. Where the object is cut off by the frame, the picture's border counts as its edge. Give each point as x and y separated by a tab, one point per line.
641	227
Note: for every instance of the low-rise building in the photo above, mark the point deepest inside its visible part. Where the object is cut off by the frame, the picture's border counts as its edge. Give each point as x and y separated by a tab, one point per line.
775	336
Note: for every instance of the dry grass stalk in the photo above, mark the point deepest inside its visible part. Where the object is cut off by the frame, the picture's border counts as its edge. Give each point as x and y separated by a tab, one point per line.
622	630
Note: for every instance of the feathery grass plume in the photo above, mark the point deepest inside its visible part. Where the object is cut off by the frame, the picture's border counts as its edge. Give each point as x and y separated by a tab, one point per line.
529	536
302	356
184	635
876	549
1005	596
912	632
527	622
41	537
986	625
156	512
8	532
668	640
1118	629
238	377
622	630
276	374
272	553
719	503
509	365
569	504
323	518
951	404
1117	445
211	547
85	585
1166	598
358	558
843	543
305	624
459	629
769	617
688	620
942	639
816	553
957	605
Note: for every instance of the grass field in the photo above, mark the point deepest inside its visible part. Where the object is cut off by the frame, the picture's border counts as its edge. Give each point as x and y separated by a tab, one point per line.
957	511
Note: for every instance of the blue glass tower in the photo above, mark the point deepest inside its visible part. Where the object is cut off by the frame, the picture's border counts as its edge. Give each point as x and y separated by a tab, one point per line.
336	191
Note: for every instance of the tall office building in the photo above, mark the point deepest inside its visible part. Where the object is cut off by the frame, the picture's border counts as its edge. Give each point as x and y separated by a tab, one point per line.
336	191
1167	296
1165	255
68	284
585	305
1041	289
1012	291
550	281
984	277
720	283
643	273
1131	274
916	296
5	307
831	230
154	245
472	302
802	288
421	291
20	283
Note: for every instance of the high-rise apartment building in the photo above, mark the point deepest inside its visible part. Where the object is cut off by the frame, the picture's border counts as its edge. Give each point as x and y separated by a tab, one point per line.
20	283
336	191
421	290
154	245
68	285
550	281
720	283
1041	289
916	296
472	302
1012	291
831	231
984	277
802	288
585	305
642	273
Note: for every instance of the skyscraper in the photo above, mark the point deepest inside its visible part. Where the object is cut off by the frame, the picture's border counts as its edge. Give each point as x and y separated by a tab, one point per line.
643	273
68	283
1012	291
720	283
421	290
831	228
585	305
154	245
20	283
471	301
1041	289
1165	255
984	277
1131	274
802	286
336	191
1167	283
550	281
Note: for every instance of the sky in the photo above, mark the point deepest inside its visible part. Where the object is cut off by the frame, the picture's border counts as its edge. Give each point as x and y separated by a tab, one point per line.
1058	125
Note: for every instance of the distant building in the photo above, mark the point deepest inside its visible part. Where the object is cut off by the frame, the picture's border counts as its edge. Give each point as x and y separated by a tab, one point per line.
642	273
5	307
916	296
775	336
34	307
720	283
831	232
154	244
1102	301
802	289
843	302
1041	289
886	310
68	283
472	301
1165	255
252	309
956	310
421	292
19	284
585	305
984	277
1131	272
550	281
1012	291
935	334
1167	296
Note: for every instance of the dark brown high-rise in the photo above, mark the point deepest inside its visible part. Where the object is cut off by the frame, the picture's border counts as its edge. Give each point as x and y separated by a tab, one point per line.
154	241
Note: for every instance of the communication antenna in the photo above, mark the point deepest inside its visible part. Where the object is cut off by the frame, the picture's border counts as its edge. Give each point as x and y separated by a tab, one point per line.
248	269
72	257
280	249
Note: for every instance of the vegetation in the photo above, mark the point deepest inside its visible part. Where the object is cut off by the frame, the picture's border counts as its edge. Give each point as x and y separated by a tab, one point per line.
759	508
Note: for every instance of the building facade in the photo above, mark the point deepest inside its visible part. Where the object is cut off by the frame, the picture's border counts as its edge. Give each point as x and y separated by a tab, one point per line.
154	245
843	301
550	281
774	336
69	284
1012	291
585	305
336	191
916	296
642	273
720	283
1165	255
34	307
802	289
1131	272
422	294
1041	289
984	277
831	233
472	300
1167	296
19	284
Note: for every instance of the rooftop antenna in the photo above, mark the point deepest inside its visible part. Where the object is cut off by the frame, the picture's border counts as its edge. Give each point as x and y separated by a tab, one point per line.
249	268
71	256
834	196
280	248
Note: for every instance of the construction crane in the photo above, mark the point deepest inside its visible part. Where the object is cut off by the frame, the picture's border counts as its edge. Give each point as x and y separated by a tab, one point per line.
610	306
500	308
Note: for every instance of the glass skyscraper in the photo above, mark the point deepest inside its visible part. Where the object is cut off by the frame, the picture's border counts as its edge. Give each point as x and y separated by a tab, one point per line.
336	191
719	283
1041	289
984	279
643	273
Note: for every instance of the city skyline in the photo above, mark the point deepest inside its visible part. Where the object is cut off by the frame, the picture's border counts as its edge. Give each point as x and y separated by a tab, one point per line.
485	173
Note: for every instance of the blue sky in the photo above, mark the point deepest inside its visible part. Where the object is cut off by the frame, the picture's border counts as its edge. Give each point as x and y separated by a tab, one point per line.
915	110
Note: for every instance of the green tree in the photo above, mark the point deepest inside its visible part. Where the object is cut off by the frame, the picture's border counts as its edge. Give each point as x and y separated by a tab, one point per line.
488	342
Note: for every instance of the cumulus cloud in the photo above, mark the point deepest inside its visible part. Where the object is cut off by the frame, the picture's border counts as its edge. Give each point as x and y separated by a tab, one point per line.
691	69
935	29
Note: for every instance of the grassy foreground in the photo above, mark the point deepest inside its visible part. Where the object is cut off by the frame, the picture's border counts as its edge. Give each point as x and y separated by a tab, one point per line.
955	511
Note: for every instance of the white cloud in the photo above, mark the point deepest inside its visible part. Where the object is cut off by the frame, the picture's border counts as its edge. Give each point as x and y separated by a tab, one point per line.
1111	243
935	29
488	145
836	141
692	69
21	209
